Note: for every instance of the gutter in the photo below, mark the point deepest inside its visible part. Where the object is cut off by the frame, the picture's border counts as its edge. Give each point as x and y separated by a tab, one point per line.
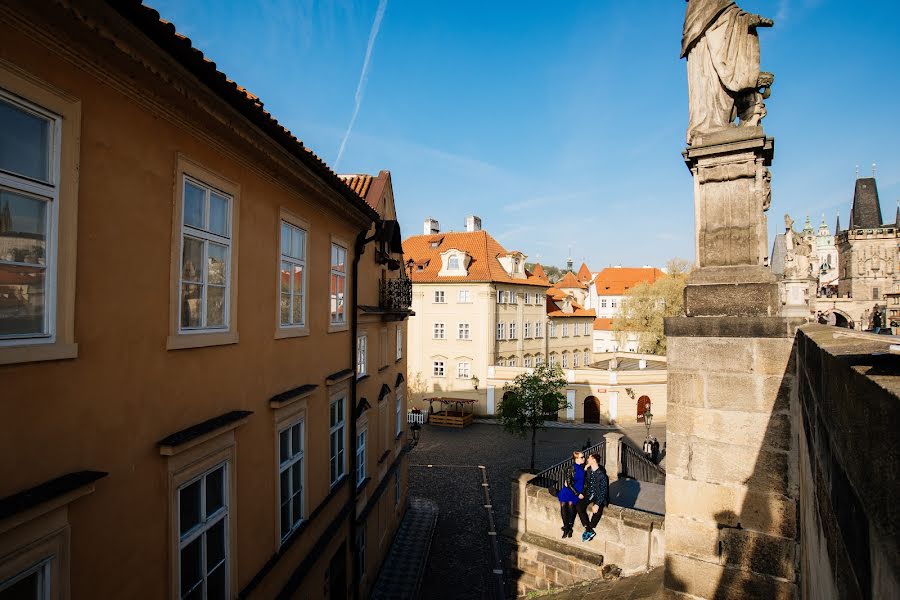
358	248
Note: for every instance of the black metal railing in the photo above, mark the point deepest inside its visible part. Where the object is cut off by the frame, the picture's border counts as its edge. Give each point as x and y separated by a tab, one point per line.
556	473
636	466
395	294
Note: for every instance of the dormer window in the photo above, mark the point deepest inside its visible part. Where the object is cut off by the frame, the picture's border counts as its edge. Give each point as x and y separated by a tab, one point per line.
454	263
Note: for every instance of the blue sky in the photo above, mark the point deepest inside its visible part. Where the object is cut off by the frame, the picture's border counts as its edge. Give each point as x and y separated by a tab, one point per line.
559	123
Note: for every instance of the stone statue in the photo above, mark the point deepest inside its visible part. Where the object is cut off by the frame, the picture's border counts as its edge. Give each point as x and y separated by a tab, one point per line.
798	254
724	80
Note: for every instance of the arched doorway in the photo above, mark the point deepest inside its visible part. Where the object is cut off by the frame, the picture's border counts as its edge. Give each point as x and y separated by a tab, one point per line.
591	410
643	405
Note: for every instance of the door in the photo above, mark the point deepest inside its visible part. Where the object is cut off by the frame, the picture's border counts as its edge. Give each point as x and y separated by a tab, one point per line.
643	405
570	410
591	410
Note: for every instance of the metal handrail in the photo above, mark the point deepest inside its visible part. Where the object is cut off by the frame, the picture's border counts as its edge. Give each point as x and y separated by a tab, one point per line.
636	466
556	473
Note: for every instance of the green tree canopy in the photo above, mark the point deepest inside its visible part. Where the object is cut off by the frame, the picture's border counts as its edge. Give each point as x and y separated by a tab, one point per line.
530	399
646	306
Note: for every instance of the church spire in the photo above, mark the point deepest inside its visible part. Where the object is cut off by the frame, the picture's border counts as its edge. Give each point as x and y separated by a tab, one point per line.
897	218
837	223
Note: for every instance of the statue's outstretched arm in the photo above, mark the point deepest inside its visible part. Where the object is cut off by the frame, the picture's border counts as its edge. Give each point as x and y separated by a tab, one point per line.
760	21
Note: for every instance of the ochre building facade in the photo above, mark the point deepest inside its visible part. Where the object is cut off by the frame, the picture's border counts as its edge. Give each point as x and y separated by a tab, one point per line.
187	413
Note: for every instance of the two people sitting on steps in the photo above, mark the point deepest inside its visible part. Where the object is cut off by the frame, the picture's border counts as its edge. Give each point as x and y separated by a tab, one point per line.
583	486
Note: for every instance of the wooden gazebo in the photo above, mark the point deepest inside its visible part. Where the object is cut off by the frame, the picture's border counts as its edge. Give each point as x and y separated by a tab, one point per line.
453	412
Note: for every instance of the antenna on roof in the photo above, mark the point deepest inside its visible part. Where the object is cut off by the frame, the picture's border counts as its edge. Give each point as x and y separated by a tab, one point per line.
857	171
874	167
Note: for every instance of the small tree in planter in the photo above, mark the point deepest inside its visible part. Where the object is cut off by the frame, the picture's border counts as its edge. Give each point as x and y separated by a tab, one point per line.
529	399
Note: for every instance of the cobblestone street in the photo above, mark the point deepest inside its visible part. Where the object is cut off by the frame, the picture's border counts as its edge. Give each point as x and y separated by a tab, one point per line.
461	562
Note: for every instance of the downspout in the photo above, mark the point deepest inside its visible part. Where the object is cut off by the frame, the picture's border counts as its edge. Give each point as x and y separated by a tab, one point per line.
358	249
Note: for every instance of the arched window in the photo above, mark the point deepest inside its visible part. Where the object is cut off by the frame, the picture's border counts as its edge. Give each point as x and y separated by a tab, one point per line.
453	263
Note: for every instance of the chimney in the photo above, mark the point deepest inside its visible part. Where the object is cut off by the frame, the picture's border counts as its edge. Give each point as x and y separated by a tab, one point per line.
473	223
432	226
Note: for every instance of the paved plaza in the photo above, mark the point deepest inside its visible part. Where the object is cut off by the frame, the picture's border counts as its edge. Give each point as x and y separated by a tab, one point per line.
444	468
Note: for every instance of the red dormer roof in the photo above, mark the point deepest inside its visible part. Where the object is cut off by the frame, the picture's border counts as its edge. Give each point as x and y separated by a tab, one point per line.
570	281
584	274
616	281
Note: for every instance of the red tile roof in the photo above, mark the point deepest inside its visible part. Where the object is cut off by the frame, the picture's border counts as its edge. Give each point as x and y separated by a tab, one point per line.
555	300
538	271
425	251
570	281
602	324
179	47
578	312
584	274
615	281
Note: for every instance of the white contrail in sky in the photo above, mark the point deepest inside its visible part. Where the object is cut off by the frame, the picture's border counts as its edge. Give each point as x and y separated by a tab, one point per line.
363	77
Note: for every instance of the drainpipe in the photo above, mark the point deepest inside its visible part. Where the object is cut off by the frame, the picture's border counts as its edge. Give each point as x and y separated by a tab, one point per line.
358	249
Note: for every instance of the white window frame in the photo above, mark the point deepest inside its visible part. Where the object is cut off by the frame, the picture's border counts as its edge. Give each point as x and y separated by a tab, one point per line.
463	370
565	330
207	522
46	191
463	297
337	455
527	330
538	329
362	437
440	297
565	360
295	457
527	362
527	297
538	359
501	330
513	297
553	359
399	342
293	262
602	302
438	368
464	331
439	332
552	332
499	296
362	355
512	330
612	303
575	359
206	237
361	540
338	318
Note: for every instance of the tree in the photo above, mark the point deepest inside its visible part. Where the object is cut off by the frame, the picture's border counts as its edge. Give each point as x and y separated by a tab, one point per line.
646	306
530	399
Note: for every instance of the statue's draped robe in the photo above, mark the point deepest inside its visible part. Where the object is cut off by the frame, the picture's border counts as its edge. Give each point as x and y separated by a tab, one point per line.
723	61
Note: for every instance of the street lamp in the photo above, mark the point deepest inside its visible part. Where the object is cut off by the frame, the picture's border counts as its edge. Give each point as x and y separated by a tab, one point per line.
415	429
648	419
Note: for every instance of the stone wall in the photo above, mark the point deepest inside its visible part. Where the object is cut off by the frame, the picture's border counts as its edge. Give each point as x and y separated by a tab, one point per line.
849	459
628	541
732	473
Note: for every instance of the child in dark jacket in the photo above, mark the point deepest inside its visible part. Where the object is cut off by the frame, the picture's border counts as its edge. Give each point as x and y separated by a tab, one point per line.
596	492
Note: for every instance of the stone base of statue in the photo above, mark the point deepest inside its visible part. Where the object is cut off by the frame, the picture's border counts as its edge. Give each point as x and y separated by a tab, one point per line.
731	194
796	294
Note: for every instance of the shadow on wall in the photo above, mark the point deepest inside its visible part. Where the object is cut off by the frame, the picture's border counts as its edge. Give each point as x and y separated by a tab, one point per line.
756	536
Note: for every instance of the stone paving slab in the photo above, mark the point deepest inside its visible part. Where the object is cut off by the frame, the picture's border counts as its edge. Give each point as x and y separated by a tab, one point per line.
401	575
648	586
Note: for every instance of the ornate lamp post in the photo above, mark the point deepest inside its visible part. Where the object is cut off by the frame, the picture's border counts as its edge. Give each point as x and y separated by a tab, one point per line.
648	419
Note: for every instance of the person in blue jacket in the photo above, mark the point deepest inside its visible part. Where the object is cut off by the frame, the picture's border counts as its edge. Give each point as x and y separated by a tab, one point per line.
569	493
596	492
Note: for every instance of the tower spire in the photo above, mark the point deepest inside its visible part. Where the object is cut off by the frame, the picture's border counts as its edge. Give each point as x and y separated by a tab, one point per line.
837	223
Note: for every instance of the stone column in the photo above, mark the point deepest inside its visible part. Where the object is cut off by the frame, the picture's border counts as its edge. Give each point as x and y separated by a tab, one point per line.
613	455
732	468
519	503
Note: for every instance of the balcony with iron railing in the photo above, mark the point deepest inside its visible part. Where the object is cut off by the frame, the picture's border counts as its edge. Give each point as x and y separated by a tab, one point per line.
395	294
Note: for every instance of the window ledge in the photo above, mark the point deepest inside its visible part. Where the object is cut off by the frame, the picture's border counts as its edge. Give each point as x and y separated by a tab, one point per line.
338	377
196	434
380	369
399	435
384	456
32	352
291	332
338	327
201	340
41	499
362	377
289	397
362	484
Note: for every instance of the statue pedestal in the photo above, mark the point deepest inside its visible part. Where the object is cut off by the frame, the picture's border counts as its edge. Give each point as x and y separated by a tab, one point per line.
731	194
796	297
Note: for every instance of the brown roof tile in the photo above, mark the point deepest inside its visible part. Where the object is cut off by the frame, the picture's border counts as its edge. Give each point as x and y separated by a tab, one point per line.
615	281
584	274
602	324
570	281
425	251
